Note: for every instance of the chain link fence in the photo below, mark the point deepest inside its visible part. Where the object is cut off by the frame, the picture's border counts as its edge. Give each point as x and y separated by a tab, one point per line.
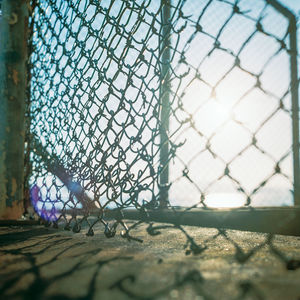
155	104
106	81
232	107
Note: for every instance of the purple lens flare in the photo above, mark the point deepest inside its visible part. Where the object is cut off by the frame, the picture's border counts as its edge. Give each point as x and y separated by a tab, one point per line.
45	208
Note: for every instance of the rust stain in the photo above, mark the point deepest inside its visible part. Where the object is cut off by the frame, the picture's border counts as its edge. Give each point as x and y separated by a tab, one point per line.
13	212
3	180
13	19
13	187
29	8
15	76
25	40
22	133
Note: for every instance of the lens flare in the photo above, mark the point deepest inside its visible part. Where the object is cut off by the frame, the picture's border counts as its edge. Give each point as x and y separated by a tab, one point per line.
44	208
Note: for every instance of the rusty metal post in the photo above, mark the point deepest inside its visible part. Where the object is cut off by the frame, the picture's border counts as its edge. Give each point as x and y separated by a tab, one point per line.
165	55
13	60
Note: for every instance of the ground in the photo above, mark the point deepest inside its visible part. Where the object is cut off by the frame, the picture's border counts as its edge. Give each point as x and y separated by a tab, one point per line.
46	263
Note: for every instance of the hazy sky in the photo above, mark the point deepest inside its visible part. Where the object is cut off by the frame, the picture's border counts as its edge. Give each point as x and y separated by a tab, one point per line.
292	4
250	168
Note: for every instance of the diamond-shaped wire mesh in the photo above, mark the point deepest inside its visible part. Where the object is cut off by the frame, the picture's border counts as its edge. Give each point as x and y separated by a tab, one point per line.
233	106
94	95
124	92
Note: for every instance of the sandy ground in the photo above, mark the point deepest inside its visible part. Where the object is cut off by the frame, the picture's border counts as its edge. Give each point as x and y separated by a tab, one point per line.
46	263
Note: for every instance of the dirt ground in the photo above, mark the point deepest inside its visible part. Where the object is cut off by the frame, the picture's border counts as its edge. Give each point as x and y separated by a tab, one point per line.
46	263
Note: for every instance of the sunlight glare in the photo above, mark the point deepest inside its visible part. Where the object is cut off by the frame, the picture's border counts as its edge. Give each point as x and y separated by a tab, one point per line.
213	115
224	200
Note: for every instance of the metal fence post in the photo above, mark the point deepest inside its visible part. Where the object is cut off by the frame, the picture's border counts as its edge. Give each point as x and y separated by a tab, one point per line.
294	94
13	58
295	107
165	56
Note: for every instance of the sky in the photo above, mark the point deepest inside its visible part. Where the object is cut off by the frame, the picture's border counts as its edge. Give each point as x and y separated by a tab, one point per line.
293	5
213	101
238	111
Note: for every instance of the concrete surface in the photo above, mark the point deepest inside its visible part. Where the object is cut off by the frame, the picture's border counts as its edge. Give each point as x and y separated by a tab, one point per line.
47	263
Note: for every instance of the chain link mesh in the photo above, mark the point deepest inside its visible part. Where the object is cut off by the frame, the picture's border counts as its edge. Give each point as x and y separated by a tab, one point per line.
99	74
233	106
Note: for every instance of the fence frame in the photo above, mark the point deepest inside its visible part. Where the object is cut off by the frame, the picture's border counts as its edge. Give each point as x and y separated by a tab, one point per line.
165	103
294	93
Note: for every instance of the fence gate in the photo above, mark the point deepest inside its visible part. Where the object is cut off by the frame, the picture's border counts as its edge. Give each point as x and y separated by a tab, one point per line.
153	110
